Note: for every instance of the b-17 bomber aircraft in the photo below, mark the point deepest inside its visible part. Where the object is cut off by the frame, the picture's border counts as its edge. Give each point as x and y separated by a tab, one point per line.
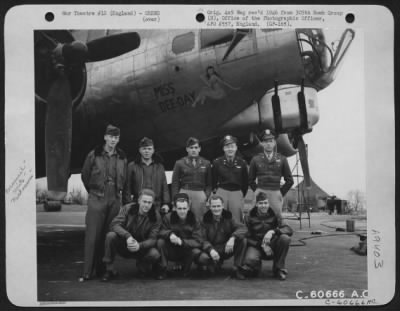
172	84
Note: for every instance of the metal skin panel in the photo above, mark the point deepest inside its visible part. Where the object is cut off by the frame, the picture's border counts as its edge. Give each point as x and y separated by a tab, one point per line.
290	107
150	91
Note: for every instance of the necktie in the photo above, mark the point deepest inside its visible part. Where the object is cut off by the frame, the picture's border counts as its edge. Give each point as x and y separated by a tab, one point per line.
194	162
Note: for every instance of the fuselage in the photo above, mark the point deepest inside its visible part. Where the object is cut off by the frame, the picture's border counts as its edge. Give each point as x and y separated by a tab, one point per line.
151	91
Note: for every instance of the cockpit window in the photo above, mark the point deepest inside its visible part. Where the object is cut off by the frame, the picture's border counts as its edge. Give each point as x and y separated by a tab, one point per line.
322	51
316	54
212	37
183	43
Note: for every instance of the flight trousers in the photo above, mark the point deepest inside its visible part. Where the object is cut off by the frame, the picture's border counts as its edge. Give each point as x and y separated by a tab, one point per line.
115	244
239	251
280	247
100	212
172	252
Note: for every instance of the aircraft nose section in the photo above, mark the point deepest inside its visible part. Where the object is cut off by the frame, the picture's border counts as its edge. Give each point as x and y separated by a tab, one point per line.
289	108
322	53
255	118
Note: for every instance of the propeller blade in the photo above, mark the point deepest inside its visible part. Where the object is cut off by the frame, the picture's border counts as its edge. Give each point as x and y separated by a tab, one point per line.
239	35
58	125
112	46
301	146
58	134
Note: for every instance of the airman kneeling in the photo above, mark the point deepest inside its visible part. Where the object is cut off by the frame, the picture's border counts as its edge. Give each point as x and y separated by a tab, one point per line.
224	237
134	235
268	238
180	237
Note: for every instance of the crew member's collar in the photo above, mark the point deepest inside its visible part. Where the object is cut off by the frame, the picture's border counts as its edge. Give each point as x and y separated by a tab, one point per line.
230	159
147	162
269	155
142	213
262	215
113	151
217	218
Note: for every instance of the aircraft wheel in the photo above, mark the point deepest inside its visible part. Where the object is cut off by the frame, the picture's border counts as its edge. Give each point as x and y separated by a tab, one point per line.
52	206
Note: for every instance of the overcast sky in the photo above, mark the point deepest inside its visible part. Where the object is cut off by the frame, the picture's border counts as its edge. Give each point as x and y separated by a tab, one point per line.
336	146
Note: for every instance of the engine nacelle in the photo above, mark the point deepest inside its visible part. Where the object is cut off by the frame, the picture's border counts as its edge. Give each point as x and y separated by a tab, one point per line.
43	66
285	109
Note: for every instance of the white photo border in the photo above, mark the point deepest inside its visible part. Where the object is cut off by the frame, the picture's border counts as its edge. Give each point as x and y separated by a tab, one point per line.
21	21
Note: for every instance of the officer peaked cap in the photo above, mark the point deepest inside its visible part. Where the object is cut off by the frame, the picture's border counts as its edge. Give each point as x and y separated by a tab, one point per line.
267	134
228	139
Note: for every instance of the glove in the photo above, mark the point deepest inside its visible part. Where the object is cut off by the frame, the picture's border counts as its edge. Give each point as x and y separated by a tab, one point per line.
267	250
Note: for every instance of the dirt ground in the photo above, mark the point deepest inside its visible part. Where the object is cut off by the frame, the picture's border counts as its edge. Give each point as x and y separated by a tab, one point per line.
325	263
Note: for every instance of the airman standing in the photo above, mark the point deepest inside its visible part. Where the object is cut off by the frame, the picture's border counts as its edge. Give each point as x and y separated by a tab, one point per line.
104	177
268	168
147	172
230	178
192	175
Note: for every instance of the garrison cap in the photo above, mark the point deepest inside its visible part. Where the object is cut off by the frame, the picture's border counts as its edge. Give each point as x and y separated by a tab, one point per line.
192	141
148	192
112	130
145	142
261	196
267	134
181	197
228	139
